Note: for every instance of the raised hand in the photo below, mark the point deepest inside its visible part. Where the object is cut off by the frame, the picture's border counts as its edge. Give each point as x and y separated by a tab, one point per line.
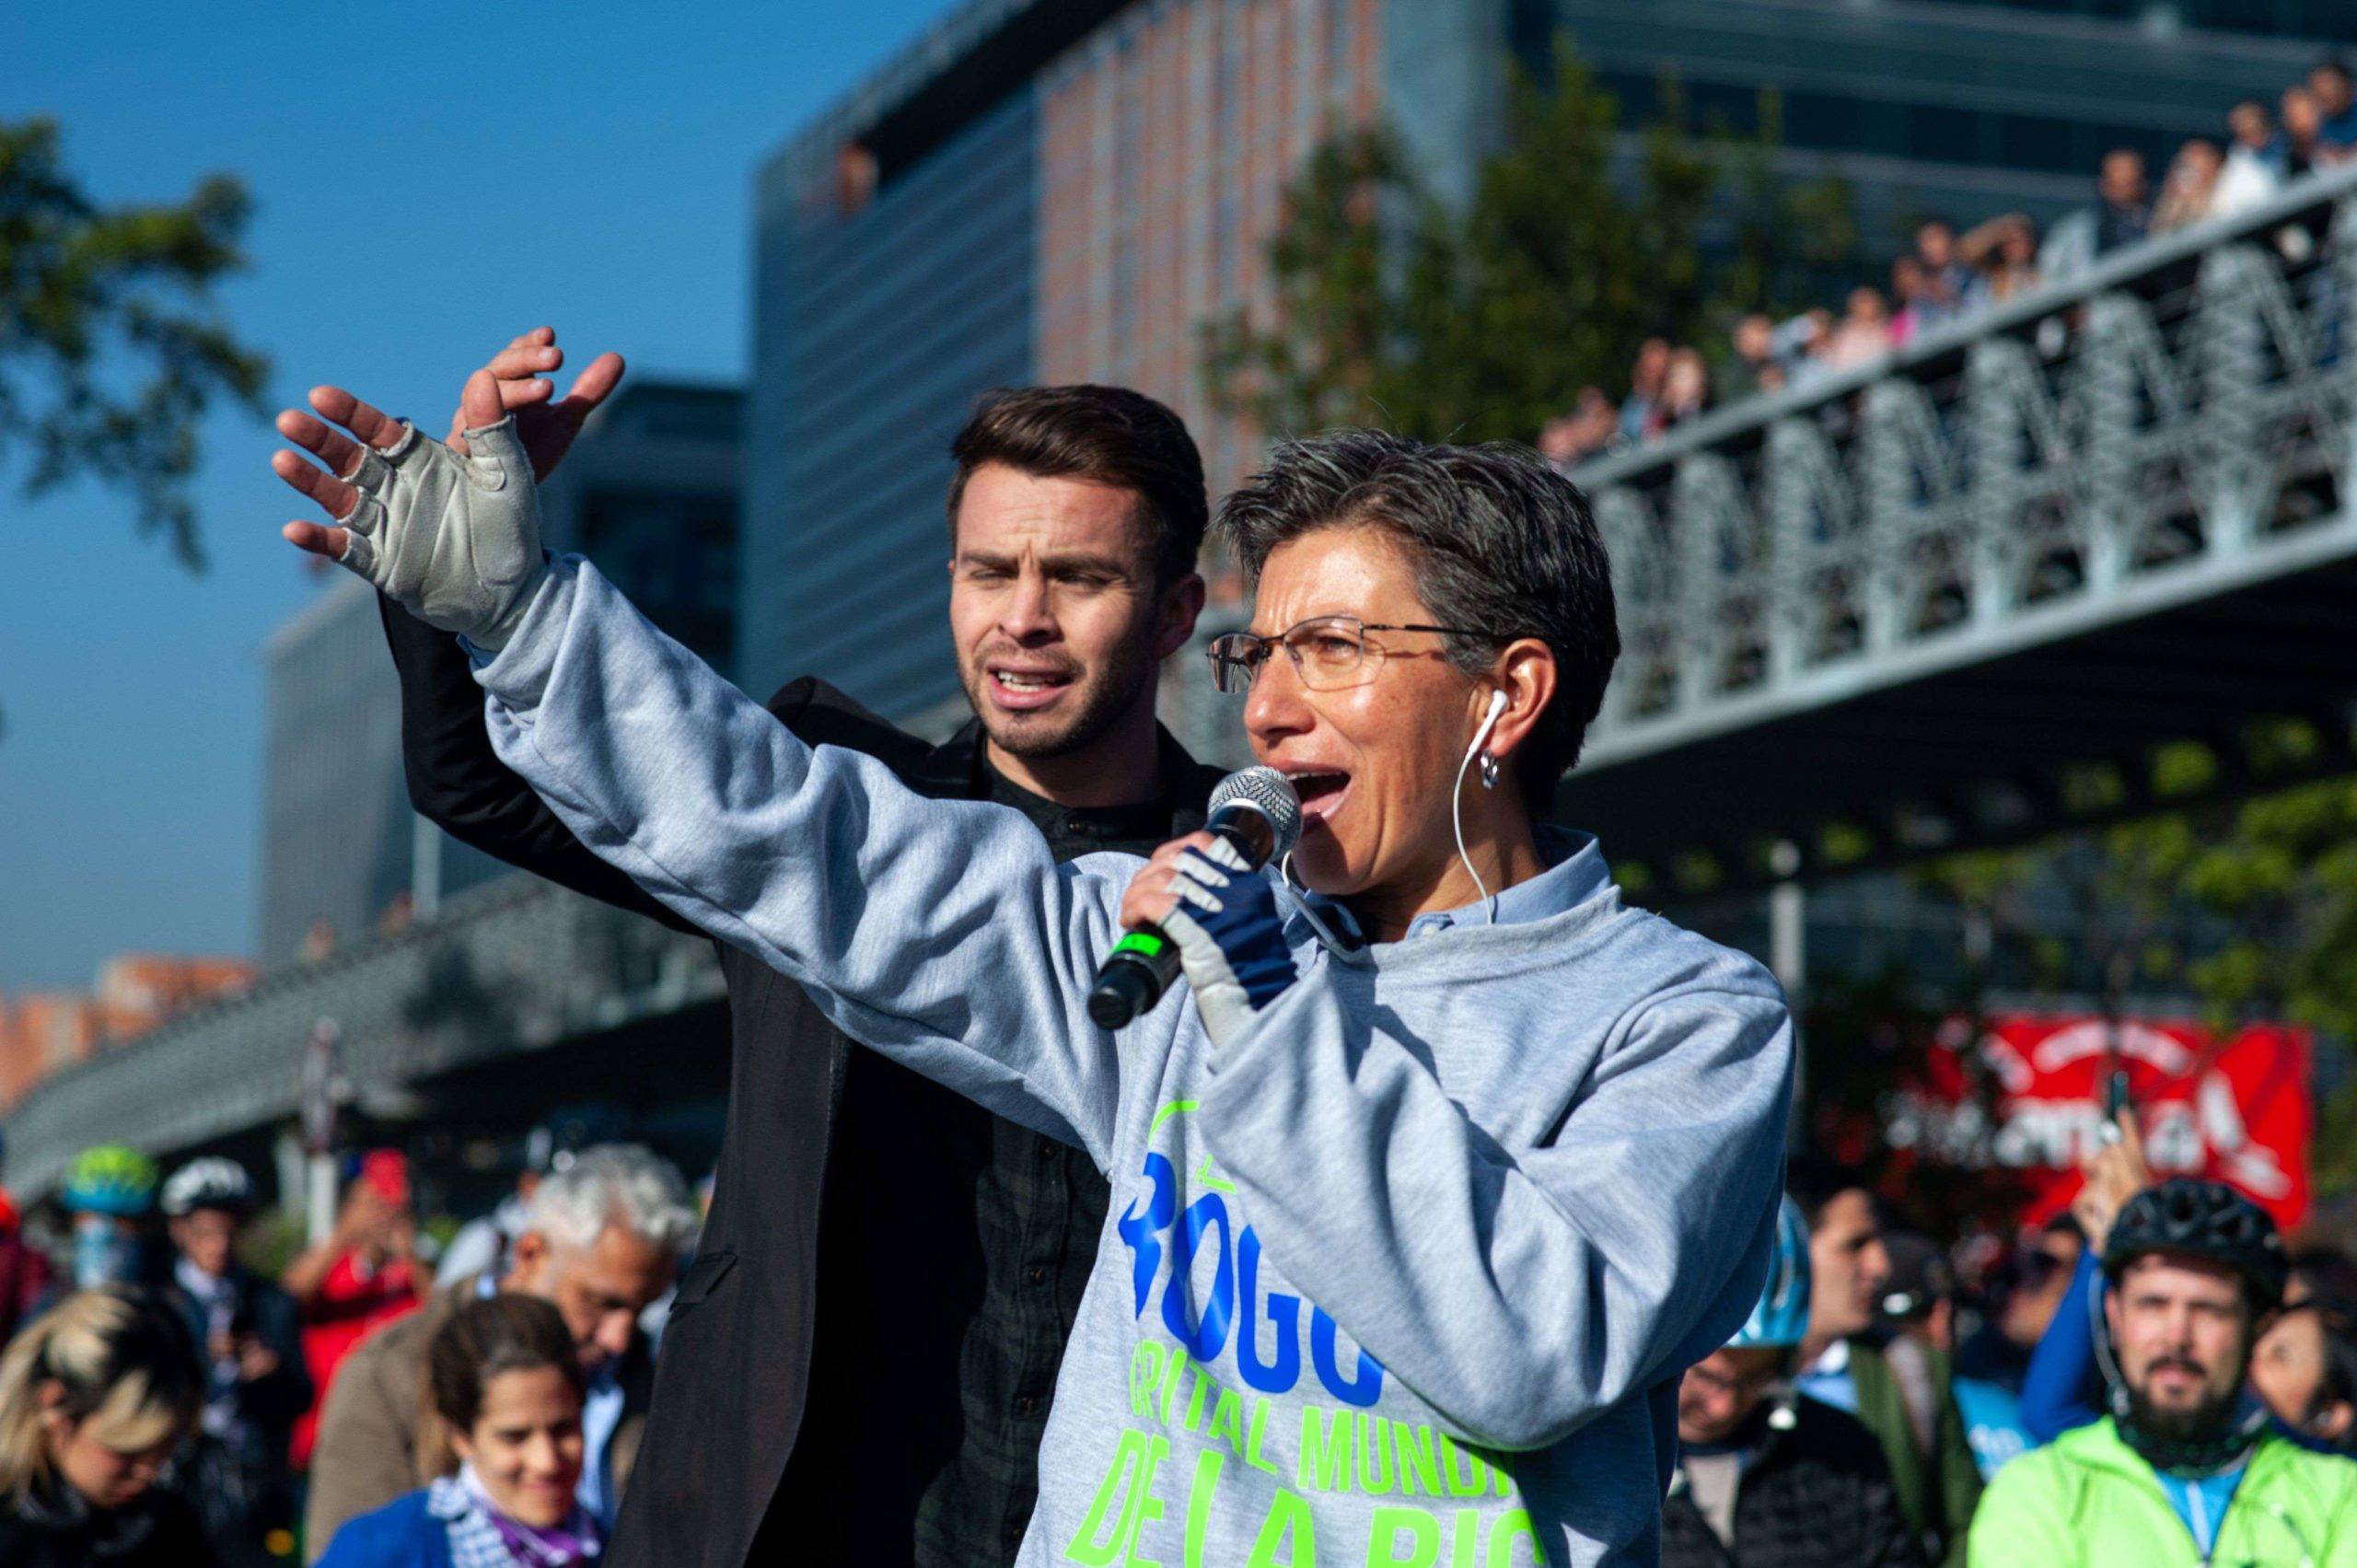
546	427
454	538
2113	1174
545	423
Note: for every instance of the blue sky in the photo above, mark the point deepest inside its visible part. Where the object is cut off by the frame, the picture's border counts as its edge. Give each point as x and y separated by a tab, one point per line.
431	180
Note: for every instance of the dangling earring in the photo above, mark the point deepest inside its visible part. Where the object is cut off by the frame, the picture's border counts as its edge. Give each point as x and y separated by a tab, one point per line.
1489	770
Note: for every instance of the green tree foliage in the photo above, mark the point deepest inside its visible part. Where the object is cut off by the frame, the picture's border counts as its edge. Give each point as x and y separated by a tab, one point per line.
1393	308
2279	874
2250	909
111	348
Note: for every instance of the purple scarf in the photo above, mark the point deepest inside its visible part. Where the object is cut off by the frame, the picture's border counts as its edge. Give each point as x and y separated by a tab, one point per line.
558	1545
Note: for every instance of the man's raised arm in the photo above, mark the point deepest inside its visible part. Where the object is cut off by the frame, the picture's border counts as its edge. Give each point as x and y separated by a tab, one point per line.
455	779
919	926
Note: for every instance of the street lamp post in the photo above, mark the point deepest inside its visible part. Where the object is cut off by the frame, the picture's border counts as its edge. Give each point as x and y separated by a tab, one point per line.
318	1088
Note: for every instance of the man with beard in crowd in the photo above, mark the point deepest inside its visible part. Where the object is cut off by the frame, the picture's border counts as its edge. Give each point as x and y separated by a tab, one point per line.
889	1273
2186	1467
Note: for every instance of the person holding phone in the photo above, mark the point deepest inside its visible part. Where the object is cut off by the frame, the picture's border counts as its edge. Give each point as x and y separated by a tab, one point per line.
256	1383
360	1278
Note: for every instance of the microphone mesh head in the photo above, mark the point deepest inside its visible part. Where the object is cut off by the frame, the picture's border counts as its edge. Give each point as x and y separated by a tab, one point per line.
1272	794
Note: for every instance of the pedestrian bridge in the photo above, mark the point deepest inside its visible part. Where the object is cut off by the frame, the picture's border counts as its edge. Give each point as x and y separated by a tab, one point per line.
449	1023
1961	596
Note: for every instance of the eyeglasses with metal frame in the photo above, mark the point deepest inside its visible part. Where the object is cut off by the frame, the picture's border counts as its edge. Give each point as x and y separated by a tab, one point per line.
1327	651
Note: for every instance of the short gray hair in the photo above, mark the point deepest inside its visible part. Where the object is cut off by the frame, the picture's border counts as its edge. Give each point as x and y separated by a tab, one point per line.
625	1184
1500	542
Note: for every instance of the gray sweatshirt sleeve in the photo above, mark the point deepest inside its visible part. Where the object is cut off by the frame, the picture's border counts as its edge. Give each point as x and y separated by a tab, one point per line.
941	932
1518	1291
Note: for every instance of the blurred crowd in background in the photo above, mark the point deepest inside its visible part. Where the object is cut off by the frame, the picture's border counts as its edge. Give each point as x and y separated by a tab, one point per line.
174	1393
1949	274
172	1396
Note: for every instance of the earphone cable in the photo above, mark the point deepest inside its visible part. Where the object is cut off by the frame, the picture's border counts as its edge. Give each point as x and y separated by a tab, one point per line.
1457	825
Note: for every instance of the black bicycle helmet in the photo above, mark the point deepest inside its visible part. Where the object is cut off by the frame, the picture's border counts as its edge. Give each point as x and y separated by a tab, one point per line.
2202	1219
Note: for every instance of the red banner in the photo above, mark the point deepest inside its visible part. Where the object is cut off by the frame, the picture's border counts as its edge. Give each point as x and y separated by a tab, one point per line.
2029	1096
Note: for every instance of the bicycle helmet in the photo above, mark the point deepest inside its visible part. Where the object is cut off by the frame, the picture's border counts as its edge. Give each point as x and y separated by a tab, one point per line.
112	1178
2202	1219
209	1183
1781	1319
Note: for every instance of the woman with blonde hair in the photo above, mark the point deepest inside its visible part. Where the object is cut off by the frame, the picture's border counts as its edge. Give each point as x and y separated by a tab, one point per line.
95	1397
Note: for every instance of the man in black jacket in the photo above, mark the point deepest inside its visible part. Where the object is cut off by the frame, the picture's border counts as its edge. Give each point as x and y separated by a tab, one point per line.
859	1363
236	1474
1766	1478
1814	1493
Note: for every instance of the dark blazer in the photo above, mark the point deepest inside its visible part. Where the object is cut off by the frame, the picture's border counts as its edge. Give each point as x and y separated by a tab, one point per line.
932	1253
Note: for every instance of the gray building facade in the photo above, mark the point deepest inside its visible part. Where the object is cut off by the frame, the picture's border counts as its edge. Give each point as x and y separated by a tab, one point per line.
650	493
337	830
879	319
1031	192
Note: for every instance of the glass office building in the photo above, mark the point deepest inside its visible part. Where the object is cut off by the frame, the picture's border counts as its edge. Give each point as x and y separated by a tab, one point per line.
336	824
650	493
1045	190
1032	193
1962	110
875	328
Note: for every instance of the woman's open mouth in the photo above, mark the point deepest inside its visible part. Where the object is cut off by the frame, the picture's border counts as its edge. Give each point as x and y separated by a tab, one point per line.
1322	793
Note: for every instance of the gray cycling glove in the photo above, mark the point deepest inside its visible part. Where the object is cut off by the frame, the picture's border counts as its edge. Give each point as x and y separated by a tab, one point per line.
454	539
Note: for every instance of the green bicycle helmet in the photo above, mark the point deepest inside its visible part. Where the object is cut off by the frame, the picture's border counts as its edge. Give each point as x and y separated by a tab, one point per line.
112	1178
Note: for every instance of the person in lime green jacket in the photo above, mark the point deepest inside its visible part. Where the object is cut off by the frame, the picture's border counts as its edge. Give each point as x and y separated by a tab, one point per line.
2184	1469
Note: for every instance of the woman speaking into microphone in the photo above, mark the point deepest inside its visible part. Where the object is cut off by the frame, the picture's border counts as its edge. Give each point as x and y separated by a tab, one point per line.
1443	1165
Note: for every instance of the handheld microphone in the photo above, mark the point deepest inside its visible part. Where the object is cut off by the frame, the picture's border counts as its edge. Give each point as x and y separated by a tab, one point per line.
1256	812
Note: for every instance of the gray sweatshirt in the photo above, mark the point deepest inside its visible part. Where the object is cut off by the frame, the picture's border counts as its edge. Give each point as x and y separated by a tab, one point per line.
1407	1275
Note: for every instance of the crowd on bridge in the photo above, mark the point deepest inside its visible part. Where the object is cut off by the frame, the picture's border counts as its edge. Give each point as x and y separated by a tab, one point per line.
162	1401
1947	276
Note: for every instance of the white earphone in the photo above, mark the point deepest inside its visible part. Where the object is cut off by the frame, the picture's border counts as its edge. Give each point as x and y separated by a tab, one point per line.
1457	798
1489	721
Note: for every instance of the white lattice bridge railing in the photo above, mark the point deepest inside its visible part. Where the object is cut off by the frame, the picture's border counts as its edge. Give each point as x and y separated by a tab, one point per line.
2172	425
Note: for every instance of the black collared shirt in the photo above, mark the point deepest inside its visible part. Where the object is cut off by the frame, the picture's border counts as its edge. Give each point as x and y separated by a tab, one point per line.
953	1249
